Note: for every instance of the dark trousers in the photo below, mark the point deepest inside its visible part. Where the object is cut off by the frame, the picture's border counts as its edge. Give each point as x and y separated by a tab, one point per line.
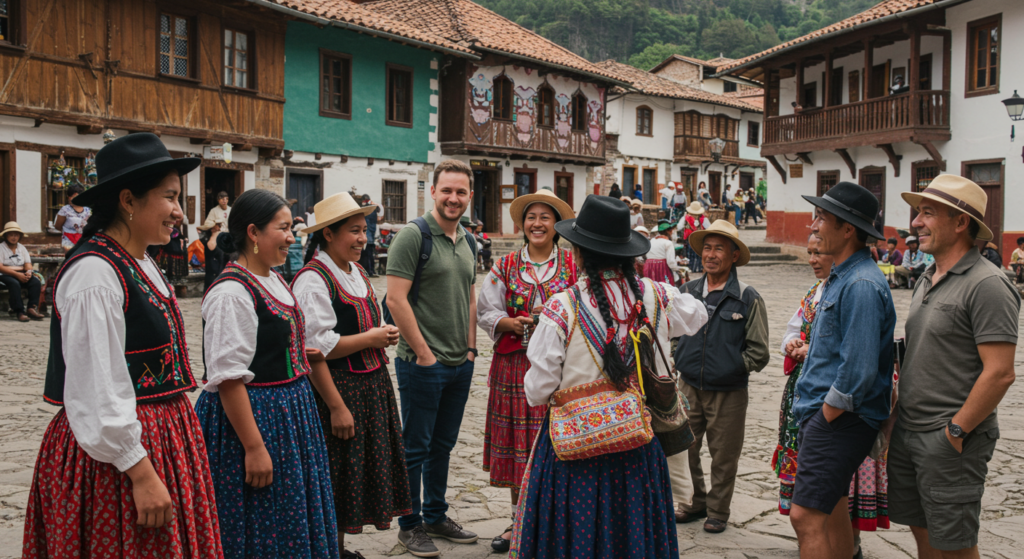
14	287
433	401
366	259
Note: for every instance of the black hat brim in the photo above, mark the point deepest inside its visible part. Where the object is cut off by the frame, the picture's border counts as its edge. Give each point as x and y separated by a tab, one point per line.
846	215
638	245
183	165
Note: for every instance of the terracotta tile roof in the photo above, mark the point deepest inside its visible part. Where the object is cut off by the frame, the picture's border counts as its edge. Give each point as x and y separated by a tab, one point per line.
675	57
719	61
753	96
651	84
882	9
470	25
370	20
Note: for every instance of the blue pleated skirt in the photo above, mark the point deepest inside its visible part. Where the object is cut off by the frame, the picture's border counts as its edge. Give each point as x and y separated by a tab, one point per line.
617	505
292	517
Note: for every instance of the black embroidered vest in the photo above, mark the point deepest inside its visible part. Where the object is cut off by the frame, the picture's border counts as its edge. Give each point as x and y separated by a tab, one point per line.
155	347
280	333
354	315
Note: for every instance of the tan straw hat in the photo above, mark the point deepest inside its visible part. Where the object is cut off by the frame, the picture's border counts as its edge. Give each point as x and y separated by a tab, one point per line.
956	192
725	229
11	227
635	202
695	208
626	199
335	208
544	196
209	224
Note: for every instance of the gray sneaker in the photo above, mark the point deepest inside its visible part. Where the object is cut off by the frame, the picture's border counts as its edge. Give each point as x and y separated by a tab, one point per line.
418	542
450	530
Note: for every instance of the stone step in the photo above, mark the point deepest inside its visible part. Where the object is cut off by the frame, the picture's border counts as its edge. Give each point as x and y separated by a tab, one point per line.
759	227
754	257
765	249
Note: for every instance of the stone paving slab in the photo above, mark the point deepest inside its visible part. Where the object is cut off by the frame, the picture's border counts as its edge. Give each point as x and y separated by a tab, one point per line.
756	530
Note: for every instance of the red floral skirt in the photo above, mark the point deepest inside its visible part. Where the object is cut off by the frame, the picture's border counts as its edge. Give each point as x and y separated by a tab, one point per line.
512	423
658	270
79	507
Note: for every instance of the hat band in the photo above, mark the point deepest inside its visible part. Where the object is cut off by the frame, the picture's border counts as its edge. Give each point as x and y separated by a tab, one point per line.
956	202
855	212
601	238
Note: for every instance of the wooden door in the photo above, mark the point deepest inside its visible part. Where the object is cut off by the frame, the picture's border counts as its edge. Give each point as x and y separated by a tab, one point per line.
563	186
6	205
689	180
989	176
715	186
746	181
487	200
650	186
306	189
873	179
219	180
628	180
879	80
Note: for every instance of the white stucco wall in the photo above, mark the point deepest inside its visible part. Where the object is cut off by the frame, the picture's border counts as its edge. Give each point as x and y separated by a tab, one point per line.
621	120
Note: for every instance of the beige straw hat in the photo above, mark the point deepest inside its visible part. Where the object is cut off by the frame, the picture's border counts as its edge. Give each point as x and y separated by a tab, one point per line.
635	202
695	208
725	229
544	196
335	208
11	227
958	193
209	224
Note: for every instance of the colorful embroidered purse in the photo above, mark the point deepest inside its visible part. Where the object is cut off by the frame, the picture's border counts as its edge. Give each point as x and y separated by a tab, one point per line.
597	418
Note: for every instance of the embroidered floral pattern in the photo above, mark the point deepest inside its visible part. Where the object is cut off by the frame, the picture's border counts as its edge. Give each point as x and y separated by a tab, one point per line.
511	269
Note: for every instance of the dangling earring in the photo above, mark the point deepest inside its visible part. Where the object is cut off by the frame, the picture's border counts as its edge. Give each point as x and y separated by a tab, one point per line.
130	216
255	249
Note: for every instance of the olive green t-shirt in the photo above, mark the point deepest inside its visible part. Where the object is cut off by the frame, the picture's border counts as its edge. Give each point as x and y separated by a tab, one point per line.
972	304
442	310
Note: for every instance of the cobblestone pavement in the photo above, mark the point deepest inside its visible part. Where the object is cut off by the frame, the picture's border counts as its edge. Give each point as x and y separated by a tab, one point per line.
756	530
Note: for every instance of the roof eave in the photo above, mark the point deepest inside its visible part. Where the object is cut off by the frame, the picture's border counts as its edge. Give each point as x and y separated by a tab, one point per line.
899	15
599	77
361	29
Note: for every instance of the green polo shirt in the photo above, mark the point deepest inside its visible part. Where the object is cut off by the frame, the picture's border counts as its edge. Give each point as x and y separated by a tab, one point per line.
442	310
972	304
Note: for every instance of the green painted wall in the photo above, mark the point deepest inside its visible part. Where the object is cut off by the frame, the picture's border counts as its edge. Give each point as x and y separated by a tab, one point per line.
366	134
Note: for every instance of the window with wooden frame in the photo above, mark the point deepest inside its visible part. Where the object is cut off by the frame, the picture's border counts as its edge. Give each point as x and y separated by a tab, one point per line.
502	105
399	96
394	201
983	56
238	59
644	115
924	72
854	86
810	95
826	180
729	87
546	107
579	112
922	174
335	84
175	48
753	133
12	22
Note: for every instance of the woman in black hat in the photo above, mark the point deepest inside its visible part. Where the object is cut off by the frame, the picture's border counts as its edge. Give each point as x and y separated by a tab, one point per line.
615	504
122	470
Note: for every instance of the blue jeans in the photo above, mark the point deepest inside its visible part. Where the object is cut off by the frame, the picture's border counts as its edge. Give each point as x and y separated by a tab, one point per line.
664	203
738	213
433	401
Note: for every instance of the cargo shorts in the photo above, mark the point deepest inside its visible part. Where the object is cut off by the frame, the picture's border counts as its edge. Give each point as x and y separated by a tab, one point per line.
933	486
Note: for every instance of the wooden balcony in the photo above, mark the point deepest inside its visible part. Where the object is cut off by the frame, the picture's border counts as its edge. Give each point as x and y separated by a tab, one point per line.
698	148
921	116
502	138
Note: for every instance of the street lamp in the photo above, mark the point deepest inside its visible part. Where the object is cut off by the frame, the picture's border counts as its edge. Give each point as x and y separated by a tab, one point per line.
717	145
1015	107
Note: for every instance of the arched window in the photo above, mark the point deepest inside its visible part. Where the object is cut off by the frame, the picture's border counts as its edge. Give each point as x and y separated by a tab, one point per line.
579	112
644	115
502	106
546	107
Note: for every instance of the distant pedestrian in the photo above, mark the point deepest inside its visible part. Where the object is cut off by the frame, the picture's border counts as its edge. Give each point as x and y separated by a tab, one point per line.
71	218
914	263
660	262
962	332
613	503
703	196
222	210
636	209
369	260
844	390
436	352
214	257
678	203
715	364
694	221
667	194
991	253
750	206
1017	261
172	258
638	193
615	191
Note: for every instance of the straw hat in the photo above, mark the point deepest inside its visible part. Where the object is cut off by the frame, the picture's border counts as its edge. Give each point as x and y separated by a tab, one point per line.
642	229
635	202
544	196
958	193
695	208
11	227
209	224
626	199
725	229
335	208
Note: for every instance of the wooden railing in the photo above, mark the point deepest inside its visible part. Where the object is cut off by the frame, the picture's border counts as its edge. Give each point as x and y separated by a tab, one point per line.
922	109
698	146
505	134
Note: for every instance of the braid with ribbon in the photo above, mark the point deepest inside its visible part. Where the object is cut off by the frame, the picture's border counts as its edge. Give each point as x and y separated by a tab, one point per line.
614	366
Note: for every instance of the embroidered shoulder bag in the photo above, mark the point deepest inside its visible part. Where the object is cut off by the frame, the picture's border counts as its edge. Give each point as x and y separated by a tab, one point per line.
597	418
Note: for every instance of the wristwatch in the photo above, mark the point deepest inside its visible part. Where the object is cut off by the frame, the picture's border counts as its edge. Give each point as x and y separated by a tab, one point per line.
474	352
956	430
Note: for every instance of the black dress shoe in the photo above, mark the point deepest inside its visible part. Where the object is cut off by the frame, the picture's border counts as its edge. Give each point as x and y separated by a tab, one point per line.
500	544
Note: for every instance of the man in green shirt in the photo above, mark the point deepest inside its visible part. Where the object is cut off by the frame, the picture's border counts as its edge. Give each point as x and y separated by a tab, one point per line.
435	353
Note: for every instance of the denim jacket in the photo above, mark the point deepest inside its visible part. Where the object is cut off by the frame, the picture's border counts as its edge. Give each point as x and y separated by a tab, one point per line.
849	361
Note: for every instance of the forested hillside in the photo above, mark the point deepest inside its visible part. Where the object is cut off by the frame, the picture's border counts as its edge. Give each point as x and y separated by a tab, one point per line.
645	32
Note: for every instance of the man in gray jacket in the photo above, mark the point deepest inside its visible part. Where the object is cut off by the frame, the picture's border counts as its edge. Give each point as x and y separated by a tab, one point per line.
714	365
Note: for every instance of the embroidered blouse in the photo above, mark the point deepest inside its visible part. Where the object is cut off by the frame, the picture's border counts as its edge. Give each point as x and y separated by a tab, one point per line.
664	249
510	287
796	322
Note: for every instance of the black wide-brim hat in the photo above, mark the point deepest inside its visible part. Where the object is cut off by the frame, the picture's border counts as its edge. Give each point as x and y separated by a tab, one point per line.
604	225
130	158
853	203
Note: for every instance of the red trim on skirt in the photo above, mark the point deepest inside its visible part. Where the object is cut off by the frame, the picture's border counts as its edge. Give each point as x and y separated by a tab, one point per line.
512	423
79	507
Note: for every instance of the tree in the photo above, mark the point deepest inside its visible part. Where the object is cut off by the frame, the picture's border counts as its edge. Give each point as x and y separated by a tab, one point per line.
730	38
656	54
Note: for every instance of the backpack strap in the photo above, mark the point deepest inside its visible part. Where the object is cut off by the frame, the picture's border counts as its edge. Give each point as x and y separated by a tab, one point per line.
425	249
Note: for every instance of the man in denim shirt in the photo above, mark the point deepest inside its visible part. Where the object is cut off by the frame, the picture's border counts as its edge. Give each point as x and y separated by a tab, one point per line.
843	394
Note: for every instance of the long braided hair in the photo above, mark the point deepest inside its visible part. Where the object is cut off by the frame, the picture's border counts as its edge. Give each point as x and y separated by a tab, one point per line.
593	264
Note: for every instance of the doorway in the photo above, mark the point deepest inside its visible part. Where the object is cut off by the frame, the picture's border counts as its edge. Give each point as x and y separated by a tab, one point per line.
689	179
486	200
526	181
746	181
629	181
873	179
650	185
304	187
563	186
989	176
219	180
879	85
715	186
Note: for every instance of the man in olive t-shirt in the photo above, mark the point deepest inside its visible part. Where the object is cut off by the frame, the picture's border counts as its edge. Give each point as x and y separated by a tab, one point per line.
961	338
435	353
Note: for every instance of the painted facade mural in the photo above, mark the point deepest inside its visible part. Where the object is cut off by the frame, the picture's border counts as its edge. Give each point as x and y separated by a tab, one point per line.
526	84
